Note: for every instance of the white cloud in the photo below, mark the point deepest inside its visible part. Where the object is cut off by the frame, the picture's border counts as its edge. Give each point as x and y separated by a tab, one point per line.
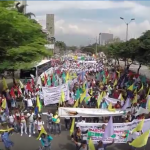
81	30
59	5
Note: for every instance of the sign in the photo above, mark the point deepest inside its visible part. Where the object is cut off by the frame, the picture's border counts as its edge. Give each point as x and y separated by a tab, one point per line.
119	136
52	95
88	112
120	130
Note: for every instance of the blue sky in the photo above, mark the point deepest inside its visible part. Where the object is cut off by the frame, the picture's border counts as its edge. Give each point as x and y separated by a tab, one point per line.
79	22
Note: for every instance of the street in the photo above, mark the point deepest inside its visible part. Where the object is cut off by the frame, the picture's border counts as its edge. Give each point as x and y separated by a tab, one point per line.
62	142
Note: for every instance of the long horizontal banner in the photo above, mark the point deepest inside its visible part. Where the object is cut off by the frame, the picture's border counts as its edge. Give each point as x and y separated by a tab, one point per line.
52	95
87	112
121	130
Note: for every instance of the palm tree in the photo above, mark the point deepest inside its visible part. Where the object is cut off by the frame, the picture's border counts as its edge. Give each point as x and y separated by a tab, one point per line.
20	9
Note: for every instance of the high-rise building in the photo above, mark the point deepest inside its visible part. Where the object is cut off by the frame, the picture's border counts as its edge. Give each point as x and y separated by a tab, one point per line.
105	38
50	24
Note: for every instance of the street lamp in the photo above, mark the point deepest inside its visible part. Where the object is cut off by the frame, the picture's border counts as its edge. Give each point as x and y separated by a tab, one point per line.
127	23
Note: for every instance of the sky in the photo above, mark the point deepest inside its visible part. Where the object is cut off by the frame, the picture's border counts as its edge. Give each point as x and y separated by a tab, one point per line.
80	22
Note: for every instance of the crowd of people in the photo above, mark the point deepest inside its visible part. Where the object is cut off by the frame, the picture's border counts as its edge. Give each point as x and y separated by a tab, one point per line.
21	106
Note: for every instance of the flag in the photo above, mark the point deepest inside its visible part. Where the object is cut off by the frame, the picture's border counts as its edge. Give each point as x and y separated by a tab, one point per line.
4	104
130	88
12	92
28	87
100	97
134	99
38	104
77	95
141	140
72	126
126	105
138	127
109	130
41	132
76	104
91	145
49	81
110	107
141	88
5	86
83	96
115	83
63	96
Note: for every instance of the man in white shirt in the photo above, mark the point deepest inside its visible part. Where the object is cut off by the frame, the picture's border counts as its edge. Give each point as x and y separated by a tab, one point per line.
30	117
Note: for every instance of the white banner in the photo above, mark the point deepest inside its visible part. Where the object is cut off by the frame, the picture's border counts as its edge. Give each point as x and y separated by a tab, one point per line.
52	95
88	112
119	130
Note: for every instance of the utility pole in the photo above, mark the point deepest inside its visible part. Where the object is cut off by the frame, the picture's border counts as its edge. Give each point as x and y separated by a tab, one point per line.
96	46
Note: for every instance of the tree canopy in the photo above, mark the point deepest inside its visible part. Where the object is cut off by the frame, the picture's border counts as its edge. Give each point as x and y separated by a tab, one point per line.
134	49
22	42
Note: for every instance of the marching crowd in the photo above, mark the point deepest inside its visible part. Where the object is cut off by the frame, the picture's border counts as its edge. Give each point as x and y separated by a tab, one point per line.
21	106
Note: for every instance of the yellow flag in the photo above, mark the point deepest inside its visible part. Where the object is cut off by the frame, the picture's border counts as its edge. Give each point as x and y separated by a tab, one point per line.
100	97
148	106
110	107
72	126
135	99
41	132
141	140
75	57
91	145
21	84
138	127
83	96
6	130
141	88
76	104
5	86
104	93
131	87
4	104
63	96
115	83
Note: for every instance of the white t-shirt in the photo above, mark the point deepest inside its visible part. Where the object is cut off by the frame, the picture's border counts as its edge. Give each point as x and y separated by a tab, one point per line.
29	102
11	118
31	116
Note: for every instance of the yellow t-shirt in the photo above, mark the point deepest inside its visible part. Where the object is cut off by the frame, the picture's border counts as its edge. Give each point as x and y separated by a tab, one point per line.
56	117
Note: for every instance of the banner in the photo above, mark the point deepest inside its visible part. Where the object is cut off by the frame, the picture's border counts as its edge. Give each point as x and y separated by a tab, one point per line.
52	95
88	112
120	130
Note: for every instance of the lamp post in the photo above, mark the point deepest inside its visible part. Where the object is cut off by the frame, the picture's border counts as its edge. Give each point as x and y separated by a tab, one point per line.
127	24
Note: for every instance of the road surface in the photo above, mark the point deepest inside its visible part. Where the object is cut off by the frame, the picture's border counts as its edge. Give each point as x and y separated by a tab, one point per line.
61	142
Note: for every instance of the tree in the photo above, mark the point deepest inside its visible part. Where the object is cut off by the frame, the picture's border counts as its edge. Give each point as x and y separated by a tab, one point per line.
21	42
61	45
143	52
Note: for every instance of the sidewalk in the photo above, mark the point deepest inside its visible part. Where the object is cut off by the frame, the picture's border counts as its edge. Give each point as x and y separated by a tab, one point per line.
144	70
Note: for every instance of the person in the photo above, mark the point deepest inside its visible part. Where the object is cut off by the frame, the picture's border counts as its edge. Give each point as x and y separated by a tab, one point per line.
23	123
67	122
81	145
49	121
77	136
102	146
134	135
6	141
30	118
56	124
46	141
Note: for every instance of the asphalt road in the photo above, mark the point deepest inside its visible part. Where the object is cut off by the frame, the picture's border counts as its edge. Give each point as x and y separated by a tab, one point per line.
62	142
